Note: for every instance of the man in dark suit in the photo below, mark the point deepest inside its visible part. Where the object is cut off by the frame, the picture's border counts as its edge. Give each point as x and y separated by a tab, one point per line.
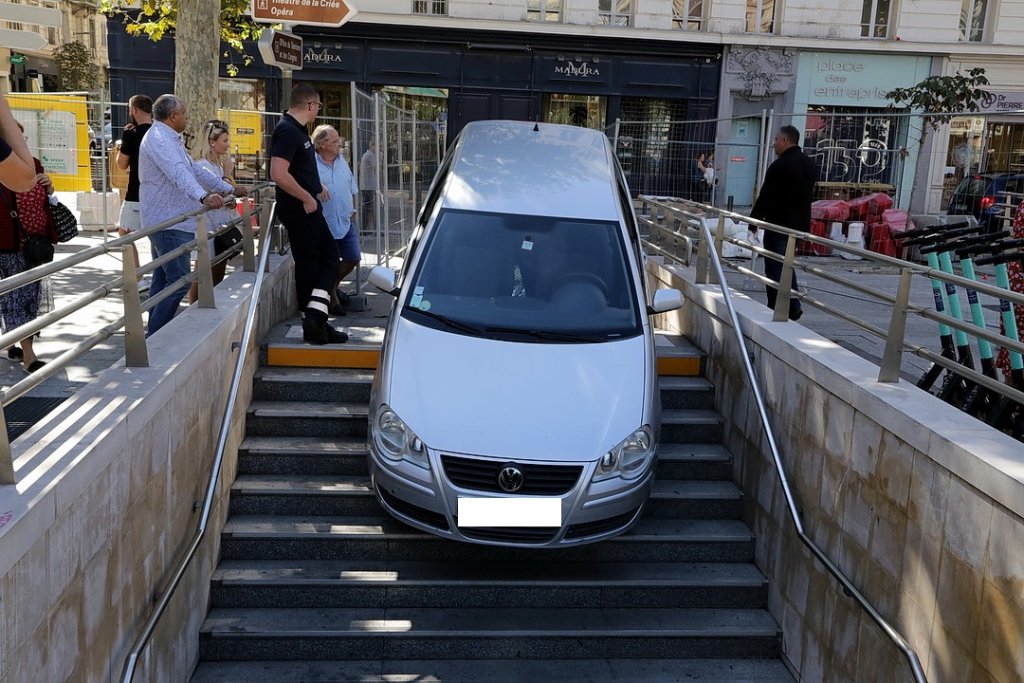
785	199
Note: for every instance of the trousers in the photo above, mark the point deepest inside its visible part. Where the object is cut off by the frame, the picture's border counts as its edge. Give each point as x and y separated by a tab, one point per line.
774	241
314	251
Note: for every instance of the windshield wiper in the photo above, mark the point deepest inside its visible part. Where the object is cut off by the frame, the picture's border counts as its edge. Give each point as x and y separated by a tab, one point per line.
546	335
448	322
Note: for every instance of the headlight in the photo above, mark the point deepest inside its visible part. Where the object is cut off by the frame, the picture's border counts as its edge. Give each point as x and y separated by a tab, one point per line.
395	441
629	458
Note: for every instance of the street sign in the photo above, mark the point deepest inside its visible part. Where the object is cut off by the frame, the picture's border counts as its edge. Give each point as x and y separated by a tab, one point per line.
29	14
308	12
21	40
18	59
280	49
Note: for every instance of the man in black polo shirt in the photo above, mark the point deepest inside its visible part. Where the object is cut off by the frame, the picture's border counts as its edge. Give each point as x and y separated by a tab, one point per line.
293	169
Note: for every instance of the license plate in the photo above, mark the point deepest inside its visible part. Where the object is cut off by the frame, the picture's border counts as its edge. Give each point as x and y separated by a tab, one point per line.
510	512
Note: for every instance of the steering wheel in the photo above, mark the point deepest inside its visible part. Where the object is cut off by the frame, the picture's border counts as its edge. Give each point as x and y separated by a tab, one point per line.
581	276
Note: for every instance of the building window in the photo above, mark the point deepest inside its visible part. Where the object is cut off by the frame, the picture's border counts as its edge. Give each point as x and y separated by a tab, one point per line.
874	20
760	16
544	10
430	7
972	20
615	12
688	15
587	111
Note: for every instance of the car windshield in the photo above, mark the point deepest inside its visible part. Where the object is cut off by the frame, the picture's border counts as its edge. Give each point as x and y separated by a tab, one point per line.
524	278
974	185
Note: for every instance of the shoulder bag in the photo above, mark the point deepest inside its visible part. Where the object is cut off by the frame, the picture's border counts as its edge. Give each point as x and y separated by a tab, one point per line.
36	249
64	222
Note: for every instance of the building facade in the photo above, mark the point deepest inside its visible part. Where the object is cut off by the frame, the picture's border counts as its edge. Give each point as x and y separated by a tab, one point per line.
677	76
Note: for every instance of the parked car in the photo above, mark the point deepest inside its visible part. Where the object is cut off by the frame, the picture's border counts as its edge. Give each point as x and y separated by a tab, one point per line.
516	402
978	195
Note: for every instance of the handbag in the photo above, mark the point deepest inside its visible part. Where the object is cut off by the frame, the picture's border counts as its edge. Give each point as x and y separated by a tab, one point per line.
64	221
36	249
226	240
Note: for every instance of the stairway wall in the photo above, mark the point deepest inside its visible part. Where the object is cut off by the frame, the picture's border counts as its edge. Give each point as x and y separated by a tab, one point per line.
104	503
920	505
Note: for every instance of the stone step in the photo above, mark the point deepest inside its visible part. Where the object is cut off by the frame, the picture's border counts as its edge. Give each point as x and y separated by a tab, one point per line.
485	633
499	671
337	495
540	583
694	461
347	456
691	426
297	418
259	537
332	385
677	356
686	392
311	455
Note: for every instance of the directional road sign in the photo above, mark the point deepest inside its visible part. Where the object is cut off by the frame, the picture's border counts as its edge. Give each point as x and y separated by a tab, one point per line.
21	40
280	49
308	12
29	14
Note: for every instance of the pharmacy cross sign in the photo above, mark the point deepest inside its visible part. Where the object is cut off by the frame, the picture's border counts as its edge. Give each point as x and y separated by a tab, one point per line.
308	12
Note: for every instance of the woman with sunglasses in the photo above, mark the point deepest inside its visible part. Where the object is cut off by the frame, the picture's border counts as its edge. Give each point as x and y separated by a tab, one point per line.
212	155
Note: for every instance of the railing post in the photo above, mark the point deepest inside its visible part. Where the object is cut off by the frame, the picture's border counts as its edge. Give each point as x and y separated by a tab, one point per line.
203	265
719	239
248	239
785	287
893	355
6	456
703	260
136	355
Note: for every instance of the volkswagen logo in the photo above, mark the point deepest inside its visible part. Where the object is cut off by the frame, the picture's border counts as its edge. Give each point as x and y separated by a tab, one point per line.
510	478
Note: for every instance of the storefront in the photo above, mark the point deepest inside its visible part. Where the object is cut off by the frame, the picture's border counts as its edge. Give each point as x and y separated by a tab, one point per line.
840	104
458	76
989	141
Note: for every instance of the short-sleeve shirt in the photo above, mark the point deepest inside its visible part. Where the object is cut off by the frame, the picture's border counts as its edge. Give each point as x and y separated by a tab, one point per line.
291	142
130	141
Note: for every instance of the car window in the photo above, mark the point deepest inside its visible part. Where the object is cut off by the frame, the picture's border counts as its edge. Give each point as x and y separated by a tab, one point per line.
524	278
1015	184
973	185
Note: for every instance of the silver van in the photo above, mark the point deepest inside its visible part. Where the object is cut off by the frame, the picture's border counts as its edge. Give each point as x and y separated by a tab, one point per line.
516	401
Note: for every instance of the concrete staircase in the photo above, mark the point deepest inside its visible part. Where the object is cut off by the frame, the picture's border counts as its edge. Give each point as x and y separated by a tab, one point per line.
317	583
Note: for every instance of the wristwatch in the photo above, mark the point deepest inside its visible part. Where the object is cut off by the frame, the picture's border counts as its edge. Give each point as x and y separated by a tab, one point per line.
202	199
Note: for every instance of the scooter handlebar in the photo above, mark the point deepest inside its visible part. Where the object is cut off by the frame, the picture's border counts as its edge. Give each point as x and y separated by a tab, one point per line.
940	241
1002	257
979	244
932	229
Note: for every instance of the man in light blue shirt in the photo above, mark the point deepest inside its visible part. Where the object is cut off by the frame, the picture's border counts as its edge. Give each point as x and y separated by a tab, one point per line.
338	199
171	184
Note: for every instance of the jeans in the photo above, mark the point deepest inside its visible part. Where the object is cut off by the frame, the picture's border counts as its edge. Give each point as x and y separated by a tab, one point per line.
162	243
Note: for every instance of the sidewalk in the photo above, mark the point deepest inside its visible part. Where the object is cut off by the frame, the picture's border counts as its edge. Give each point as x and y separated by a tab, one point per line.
66	287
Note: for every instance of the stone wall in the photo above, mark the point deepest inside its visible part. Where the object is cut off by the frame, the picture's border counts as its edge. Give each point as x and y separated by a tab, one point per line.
105	501
920	505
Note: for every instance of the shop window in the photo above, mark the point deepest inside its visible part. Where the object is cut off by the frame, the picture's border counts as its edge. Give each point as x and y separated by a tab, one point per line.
430	7
587	111
760	16
544	10
1004	148
615	12
874	20
688	15
855	146
972	20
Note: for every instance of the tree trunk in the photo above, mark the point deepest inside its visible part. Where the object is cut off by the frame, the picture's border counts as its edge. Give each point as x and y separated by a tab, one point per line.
196	52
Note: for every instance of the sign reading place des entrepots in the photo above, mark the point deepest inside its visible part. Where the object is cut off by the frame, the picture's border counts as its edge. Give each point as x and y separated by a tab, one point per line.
308	12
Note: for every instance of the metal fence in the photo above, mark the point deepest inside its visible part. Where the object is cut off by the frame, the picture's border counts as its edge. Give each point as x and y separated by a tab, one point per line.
858	151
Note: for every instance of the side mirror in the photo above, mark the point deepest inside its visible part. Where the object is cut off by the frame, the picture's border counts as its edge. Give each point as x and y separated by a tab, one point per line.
383	278
664	300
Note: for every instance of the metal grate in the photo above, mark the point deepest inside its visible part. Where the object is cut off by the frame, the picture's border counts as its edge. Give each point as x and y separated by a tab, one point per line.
26	411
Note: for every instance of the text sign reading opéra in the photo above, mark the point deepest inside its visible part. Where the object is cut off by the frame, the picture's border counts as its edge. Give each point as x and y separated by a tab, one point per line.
308	12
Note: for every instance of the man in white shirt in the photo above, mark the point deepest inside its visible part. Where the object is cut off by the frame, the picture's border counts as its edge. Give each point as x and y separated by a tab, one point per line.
338	199
171	184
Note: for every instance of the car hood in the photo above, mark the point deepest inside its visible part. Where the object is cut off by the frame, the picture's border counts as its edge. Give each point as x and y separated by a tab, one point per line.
523	401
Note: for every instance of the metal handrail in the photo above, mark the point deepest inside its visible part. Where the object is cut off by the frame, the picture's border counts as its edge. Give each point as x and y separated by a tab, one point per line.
896	343
794	513
117	284
144	636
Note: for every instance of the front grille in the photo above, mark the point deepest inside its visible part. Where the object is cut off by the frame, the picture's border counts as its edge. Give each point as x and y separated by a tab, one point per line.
510	534
600	526
538	480
428	517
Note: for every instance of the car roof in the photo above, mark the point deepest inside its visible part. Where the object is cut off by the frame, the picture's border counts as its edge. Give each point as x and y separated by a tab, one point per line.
540	169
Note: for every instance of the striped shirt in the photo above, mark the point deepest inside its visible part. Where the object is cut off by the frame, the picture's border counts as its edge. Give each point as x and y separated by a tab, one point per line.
171	183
